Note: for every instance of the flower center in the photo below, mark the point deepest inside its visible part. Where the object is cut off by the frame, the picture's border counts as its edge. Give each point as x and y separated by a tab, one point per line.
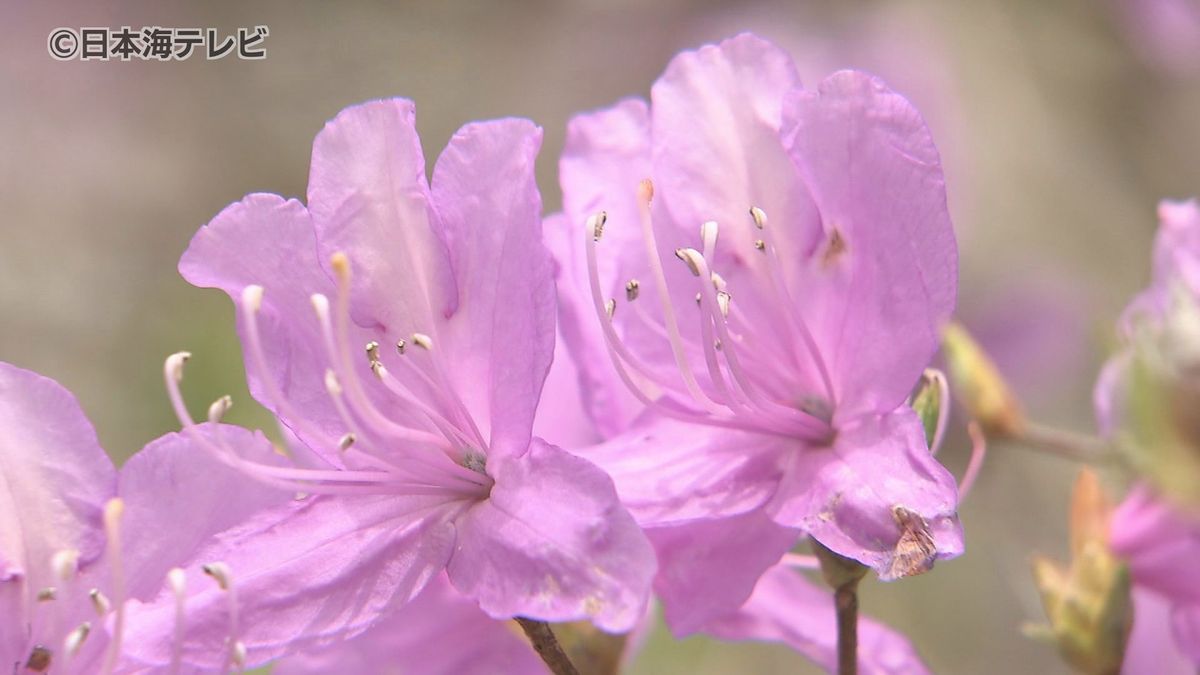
741	385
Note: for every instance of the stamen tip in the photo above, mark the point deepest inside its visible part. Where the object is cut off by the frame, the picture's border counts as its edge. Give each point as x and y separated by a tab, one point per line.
631	290
113	510
646	190
595	224
252	296
216	411
759	216
177	580
423	341
610	307
341	265
220	573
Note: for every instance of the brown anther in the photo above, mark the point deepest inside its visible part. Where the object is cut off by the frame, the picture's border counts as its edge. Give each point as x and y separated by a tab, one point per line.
631	290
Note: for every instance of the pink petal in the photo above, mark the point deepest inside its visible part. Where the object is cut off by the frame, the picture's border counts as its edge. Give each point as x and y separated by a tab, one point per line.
268	241
847	496
553	542
369	199
178	495
1185	626
499	329
882	282
1161	544
668	472
606	153
440	631
54	481
708	568
786	608
1151	649
305	574
716	120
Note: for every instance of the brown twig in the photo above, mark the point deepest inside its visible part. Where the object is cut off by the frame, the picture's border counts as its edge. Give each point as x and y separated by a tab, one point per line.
546	645
845	599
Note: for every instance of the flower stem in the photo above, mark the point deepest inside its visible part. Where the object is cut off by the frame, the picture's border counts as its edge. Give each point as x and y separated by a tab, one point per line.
1066	444
843	574
845	600
547	647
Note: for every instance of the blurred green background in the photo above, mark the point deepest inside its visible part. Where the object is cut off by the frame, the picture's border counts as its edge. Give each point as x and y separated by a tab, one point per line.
1061	125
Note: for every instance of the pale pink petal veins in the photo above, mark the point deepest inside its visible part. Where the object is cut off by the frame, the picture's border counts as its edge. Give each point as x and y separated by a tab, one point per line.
305	574
440	631
553	541
708	568
178	495
668	472
881	283
499	330
370	199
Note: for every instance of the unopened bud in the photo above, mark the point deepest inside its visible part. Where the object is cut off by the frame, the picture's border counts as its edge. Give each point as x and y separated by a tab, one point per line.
979	385
1088	604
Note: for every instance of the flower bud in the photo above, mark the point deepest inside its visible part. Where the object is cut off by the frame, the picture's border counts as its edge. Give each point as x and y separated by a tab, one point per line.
979	385
1088	604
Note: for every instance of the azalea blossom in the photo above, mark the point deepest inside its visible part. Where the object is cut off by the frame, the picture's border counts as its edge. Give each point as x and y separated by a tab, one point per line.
1142	403
400	330
78	537
757	274
1161	545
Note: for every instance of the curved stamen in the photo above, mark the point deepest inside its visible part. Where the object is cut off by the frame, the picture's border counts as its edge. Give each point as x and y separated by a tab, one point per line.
222	575
645	195
799	561
775	271
808	424
113	510
177	580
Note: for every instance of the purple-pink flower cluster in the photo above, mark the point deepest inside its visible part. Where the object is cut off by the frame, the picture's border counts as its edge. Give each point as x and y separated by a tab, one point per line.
659	396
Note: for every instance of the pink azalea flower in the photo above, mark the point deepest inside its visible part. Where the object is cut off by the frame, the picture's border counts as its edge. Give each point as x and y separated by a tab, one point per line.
77	537
773	356
417	455
1161	544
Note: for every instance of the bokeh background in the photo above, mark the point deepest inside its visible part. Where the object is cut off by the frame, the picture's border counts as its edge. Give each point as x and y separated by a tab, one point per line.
1061	125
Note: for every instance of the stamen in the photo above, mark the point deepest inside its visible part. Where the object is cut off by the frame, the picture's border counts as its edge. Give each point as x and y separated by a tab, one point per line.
346	441
177	581
216	411
595	224
373	352
423	341
759	216
760	245
47	594
779	285
221	573
173	374
688	256
65	563
100	602
113	510
631	290
723	299
401	345
610	307
39	659
74	639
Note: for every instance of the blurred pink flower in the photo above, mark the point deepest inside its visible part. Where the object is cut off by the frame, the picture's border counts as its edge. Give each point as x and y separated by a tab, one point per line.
77	537
419	457
1165	33
773	368
1161	544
